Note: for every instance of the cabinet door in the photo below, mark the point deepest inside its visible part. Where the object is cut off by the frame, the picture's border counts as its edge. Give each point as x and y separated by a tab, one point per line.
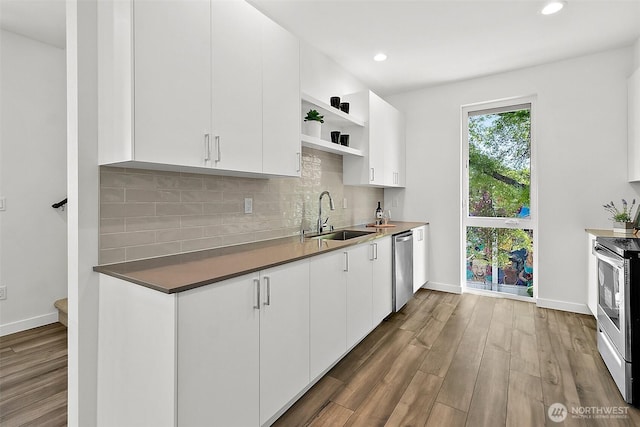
378	136
592	276
382	280
633	154
359	294
218	354
172	74
280	100
284	336
328	311
419	257
237	86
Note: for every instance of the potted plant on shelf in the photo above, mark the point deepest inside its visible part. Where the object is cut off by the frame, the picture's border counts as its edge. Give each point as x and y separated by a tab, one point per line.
621	218
313	123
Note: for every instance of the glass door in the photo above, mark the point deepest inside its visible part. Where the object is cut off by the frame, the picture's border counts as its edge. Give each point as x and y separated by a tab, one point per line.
499	198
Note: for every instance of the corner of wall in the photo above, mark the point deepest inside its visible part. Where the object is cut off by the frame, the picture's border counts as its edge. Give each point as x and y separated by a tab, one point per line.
636	54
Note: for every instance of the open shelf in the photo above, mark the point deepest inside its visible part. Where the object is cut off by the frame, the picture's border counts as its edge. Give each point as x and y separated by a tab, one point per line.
322	145
331	114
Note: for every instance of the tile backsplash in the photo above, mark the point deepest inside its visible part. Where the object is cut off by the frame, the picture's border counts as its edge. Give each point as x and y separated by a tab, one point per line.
145	213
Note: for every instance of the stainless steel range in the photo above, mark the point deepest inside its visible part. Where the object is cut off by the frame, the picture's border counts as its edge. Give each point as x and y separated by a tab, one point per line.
619	312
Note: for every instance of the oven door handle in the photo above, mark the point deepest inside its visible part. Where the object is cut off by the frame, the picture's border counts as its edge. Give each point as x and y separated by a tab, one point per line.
600	252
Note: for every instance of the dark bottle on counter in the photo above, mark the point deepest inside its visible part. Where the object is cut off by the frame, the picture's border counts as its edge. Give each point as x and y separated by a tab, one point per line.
378	215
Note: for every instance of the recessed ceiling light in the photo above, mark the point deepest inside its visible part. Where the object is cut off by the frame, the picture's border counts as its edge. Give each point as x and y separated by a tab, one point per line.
552	7
380	57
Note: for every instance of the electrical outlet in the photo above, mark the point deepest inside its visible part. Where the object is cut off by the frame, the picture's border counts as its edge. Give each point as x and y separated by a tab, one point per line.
248	205
3	292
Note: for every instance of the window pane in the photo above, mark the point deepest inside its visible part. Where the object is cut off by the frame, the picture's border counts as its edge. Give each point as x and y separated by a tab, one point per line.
500	259
499	164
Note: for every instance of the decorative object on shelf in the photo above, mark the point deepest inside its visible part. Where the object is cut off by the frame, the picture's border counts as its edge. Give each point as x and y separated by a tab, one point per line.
344	140
335	137
313	123
344	106
621	218
335	102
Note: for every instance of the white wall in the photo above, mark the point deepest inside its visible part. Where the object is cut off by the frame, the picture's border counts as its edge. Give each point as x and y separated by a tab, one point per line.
33	241
636	54
581	125
322	77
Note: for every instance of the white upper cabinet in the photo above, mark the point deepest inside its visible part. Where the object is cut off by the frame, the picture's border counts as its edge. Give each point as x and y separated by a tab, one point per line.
633	155
172	68
384	162
280	100
194	85
237	86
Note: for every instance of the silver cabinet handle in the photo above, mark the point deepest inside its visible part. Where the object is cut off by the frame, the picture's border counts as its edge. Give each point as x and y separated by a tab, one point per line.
299	163
346	261
267	280
372	256
257	283
373	174
375	246
207	147
218	155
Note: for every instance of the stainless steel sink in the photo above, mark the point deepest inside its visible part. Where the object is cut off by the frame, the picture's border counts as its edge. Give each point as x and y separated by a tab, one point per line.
343	235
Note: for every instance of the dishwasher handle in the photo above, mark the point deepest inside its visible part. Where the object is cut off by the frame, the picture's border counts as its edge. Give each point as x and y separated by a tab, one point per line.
404	238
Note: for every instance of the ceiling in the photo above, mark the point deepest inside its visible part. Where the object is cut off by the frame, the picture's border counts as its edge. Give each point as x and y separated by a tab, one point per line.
432	42
428	42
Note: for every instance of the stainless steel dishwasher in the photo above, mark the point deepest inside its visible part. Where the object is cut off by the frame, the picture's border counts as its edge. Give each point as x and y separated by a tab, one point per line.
402	269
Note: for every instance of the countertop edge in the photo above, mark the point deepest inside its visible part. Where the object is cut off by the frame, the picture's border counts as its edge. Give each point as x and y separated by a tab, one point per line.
388	232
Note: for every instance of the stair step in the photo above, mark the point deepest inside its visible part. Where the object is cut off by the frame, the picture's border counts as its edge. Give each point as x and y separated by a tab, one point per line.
63	309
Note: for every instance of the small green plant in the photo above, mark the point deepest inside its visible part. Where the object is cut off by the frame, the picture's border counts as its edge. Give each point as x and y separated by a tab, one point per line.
313	115
618	215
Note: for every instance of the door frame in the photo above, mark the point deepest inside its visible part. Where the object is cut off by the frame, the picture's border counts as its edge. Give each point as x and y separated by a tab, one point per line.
465	220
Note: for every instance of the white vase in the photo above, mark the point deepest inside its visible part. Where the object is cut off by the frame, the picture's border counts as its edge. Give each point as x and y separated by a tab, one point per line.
312	128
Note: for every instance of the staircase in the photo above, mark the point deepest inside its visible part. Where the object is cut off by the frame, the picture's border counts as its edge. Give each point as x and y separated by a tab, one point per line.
63	309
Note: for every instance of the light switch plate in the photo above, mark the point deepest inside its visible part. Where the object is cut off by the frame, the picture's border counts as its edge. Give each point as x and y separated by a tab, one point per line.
344	203
248	205
3	203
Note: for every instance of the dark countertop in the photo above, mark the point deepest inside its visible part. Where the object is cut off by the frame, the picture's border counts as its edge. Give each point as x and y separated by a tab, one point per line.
177	273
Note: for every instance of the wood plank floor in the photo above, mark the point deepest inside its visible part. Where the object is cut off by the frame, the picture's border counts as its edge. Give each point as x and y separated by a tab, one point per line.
467	360
444	360
33	377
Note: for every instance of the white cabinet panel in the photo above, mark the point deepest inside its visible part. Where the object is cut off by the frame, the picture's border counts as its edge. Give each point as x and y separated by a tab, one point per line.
420	257
328	311
284	336
359	293
592	276
382	280
172	69
280	101
633	155
237	86
219	354
384	162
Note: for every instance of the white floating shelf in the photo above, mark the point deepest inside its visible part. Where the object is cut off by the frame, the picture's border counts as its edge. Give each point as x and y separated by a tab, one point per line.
322	145
330	113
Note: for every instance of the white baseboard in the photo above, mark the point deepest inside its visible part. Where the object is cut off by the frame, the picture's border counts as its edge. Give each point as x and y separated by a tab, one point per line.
33	322
444	287
563	305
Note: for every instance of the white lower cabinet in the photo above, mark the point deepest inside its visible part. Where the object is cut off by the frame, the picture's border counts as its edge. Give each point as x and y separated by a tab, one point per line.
237	352
592	276
284	336
359	293
420	257
219	354
382	280
328	310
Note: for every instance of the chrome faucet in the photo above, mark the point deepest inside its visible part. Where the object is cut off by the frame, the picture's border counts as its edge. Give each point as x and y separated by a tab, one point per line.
331	205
